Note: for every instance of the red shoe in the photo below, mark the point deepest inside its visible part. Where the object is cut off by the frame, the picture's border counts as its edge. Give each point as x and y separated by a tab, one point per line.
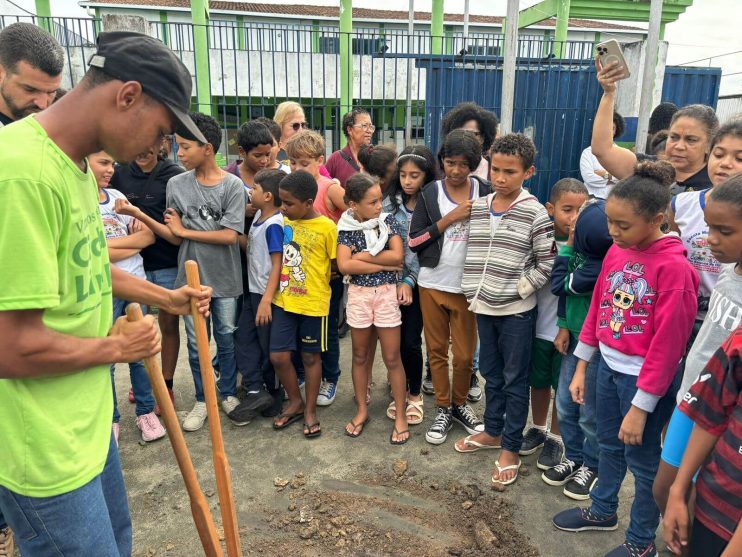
172	398
131	395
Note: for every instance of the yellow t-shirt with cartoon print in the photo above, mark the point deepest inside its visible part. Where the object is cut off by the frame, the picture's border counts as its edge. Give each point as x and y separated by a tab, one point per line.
309	245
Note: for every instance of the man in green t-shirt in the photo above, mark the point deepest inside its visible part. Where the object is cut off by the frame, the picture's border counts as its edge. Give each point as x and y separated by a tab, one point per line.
61	487
31	64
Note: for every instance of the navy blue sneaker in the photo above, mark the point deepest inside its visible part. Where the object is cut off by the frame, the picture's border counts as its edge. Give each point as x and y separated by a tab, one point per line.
628	549
579	520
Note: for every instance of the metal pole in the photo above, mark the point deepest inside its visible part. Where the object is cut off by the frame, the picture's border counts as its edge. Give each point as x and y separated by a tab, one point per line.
466	26
436	27
346	60
44	15
650	64
408	115
562	27
508	68
201	53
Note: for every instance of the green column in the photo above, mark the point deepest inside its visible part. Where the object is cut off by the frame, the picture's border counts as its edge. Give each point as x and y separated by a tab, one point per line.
241	33
448	33
199	18
164	27
562	25
44	15
315	36
436	28
346	59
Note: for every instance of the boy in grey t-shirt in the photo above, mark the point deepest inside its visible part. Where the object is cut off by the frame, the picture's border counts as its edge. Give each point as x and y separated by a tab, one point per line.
205	215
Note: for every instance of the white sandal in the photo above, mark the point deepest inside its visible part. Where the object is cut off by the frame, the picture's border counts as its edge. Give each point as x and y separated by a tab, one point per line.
515	467
472	446
414	409
391	411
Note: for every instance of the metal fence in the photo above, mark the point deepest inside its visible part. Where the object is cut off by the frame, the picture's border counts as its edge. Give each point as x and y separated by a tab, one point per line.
253	67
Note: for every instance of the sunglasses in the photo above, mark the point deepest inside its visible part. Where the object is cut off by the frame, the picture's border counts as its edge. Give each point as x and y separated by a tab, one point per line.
296	125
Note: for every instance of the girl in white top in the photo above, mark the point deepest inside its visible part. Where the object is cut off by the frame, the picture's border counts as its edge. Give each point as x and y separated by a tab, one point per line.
596	178
686	211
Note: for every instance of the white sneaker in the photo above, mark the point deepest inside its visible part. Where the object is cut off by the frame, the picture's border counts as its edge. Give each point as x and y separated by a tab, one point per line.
7	543
195	418
150	427
327	392
229	404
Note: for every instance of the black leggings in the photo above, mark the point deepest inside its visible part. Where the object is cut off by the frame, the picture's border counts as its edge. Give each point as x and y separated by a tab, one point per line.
704	542
411	343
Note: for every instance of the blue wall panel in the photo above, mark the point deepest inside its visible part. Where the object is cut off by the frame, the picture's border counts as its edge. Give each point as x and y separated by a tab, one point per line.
555	103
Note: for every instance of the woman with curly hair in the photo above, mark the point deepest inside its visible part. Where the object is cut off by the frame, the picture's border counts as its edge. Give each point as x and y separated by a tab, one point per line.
482	123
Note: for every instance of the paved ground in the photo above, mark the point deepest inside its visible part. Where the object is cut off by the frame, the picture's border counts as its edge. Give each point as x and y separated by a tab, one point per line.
336	470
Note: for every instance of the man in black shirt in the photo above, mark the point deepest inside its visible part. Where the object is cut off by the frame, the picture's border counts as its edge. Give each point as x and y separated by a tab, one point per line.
144	182
31	63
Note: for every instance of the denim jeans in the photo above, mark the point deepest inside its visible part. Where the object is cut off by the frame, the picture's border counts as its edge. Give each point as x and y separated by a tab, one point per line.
224	314
615	392
577	421
143	397
91	520
163	277
475	361
505	358
331	357
251	349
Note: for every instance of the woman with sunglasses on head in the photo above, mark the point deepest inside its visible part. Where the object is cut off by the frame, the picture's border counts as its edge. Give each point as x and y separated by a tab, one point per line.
359	130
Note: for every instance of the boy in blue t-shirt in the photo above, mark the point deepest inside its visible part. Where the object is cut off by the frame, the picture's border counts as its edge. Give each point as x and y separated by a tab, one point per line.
264	260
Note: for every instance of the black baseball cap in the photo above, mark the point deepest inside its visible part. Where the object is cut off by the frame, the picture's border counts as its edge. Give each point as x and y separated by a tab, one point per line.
130	56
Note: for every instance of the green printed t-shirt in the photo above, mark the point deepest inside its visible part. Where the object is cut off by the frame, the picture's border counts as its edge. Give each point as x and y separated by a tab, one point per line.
54	431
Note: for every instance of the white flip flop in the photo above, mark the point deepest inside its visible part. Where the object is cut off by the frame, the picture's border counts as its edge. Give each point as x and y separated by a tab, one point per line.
472	446
515	467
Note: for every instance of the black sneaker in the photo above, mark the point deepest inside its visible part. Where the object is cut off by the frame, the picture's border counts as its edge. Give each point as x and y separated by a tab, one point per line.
551	455
251	406
275	408
561	473
533	440
475	391
441	426
580	486
579	520
467	418
628	549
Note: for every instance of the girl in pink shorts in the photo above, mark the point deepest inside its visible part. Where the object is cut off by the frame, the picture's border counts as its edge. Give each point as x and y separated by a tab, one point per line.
370	254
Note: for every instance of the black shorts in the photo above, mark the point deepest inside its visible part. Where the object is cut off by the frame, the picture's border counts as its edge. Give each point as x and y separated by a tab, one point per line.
289	329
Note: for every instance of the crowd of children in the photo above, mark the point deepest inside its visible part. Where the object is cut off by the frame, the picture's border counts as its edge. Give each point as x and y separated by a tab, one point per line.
577	301
617	307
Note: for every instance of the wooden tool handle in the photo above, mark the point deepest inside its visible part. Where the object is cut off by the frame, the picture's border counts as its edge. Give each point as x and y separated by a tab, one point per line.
222	470
199	507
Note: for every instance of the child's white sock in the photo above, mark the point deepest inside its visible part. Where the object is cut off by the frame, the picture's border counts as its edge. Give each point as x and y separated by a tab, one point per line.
540	427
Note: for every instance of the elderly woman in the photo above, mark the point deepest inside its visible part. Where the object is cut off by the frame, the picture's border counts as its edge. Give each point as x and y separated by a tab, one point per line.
290	117
358	129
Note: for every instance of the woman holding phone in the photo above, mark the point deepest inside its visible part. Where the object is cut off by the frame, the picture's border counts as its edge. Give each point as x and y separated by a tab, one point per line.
688	140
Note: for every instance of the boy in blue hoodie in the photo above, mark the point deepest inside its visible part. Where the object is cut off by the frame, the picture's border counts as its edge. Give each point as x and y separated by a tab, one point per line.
573	277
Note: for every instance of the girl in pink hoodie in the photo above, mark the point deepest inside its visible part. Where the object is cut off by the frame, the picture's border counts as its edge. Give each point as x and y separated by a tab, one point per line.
640	318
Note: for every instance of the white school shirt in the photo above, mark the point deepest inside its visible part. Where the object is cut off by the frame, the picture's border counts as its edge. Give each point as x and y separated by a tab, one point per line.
446	277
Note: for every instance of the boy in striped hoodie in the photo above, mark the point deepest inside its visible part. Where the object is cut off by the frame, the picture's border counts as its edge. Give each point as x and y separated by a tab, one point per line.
509	256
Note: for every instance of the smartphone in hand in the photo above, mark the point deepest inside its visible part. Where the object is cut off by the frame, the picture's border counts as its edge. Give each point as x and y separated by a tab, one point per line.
610	51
